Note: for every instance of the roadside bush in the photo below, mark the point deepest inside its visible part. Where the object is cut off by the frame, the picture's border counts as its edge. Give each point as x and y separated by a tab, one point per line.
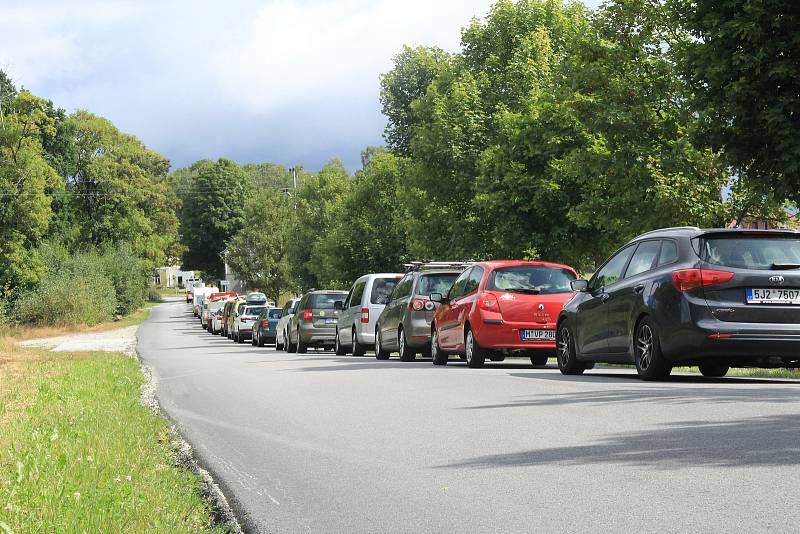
130	277
153	295
81	295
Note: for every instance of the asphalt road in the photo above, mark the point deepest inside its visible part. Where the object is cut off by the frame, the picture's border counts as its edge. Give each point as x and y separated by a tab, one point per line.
320	443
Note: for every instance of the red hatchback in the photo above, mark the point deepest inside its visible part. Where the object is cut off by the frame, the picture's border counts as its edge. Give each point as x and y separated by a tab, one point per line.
498	308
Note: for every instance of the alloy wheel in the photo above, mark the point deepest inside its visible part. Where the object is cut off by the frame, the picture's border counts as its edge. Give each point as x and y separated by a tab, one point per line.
469	348
564	347
644	346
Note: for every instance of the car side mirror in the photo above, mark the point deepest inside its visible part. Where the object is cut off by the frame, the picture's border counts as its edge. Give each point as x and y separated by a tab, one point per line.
579	285
438	297
338	305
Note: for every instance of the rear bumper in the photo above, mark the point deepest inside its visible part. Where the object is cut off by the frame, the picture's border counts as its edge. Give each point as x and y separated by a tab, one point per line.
493	333
418	329
318	335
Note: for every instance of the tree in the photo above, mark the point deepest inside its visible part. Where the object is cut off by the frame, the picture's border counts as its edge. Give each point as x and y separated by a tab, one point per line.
414	70
212	198
368	235
119	191
742	65
25	180
258	251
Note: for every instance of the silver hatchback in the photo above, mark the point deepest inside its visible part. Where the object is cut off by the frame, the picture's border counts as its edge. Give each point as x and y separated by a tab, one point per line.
355	329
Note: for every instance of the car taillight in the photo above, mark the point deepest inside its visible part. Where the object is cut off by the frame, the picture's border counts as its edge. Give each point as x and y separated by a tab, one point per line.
416	304
308	315
488	302
688	279
264	324
364	315
245	319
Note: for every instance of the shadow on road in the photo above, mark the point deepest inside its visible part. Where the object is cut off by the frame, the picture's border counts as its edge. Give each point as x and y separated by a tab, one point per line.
763	441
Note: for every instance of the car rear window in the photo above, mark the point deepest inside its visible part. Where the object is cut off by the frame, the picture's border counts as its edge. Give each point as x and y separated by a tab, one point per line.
752	252
325	301
542	278
253	310
381	289
276	313
436	283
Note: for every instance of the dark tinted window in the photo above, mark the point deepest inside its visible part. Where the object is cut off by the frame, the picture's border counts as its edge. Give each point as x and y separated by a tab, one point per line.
252	310
669	253
435	283
752	252
403	289
324	301
474	280
457	289
612	271
644	258
275	313
381	289
540	278
358	292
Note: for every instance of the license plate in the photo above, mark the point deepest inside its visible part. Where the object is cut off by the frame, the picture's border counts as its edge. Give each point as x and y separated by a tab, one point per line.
330	321
773	296
538	335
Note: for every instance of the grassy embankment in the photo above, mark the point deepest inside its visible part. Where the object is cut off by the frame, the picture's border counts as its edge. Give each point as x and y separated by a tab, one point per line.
78	453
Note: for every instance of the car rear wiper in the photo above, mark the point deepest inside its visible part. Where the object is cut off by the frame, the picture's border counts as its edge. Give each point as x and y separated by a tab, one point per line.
784	266
526	290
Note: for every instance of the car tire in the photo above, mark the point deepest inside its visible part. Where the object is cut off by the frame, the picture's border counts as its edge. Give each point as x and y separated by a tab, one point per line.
279	346
260	342
338	348
380	352
357	348
714	369
475	354
539	360
438	356
650	362
301	348
239	337
253	340
289	345
568	362
407	354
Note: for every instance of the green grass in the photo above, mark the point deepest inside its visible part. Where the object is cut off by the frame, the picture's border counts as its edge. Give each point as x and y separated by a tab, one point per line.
78	453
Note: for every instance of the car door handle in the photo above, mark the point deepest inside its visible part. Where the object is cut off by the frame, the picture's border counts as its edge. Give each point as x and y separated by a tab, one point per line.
605	297
638	289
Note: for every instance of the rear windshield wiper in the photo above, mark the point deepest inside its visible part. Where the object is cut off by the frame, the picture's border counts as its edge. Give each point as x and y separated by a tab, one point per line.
784	266
526	290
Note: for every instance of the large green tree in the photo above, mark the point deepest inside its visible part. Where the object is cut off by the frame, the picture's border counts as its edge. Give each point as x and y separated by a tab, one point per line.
742	63
212	195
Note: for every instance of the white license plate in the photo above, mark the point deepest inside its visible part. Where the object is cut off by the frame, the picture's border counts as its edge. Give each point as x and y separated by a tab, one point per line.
537	335
773	295
330	321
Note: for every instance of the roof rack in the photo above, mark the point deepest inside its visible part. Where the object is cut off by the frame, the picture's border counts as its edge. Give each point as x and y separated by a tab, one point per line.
436	265
694	228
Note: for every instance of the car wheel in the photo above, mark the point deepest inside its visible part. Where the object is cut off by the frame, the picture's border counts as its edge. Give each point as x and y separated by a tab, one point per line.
407	354
650	363
279	346
261	341
714	369
337	347
438	356
289	345
539	360
358	348
476	355
568	362
253	340
239	337
380	352
302	348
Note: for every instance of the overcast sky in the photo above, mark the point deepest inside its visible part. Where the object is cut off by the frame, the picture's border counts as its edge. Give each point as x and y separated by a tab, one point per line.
284	81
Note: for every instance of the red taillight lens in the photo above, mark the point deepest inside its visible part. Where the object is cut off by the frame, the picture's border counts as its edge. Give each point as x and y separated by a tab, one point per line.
688	279
264	324
308	315
488	302
364	315
416	304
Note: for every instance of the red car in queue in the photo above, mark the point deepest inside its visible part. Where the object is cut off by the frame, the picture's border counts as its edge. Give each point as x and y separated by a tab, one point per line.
499	308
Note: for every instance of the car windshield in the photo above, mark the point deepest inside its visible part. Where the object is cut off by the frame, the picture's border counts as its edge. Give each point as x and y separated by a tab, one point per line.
253	310
752	252
381	289
275	313
325	301
436	283
539	279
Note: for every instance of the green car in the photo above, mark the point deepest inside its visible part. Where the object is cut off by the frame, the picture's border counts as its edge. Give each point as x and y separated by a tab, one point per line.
265	327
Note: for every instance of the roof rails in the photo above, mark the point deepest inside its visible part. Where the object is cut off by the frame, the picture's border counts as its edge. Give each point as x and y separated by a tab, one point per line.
436	265
694	228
